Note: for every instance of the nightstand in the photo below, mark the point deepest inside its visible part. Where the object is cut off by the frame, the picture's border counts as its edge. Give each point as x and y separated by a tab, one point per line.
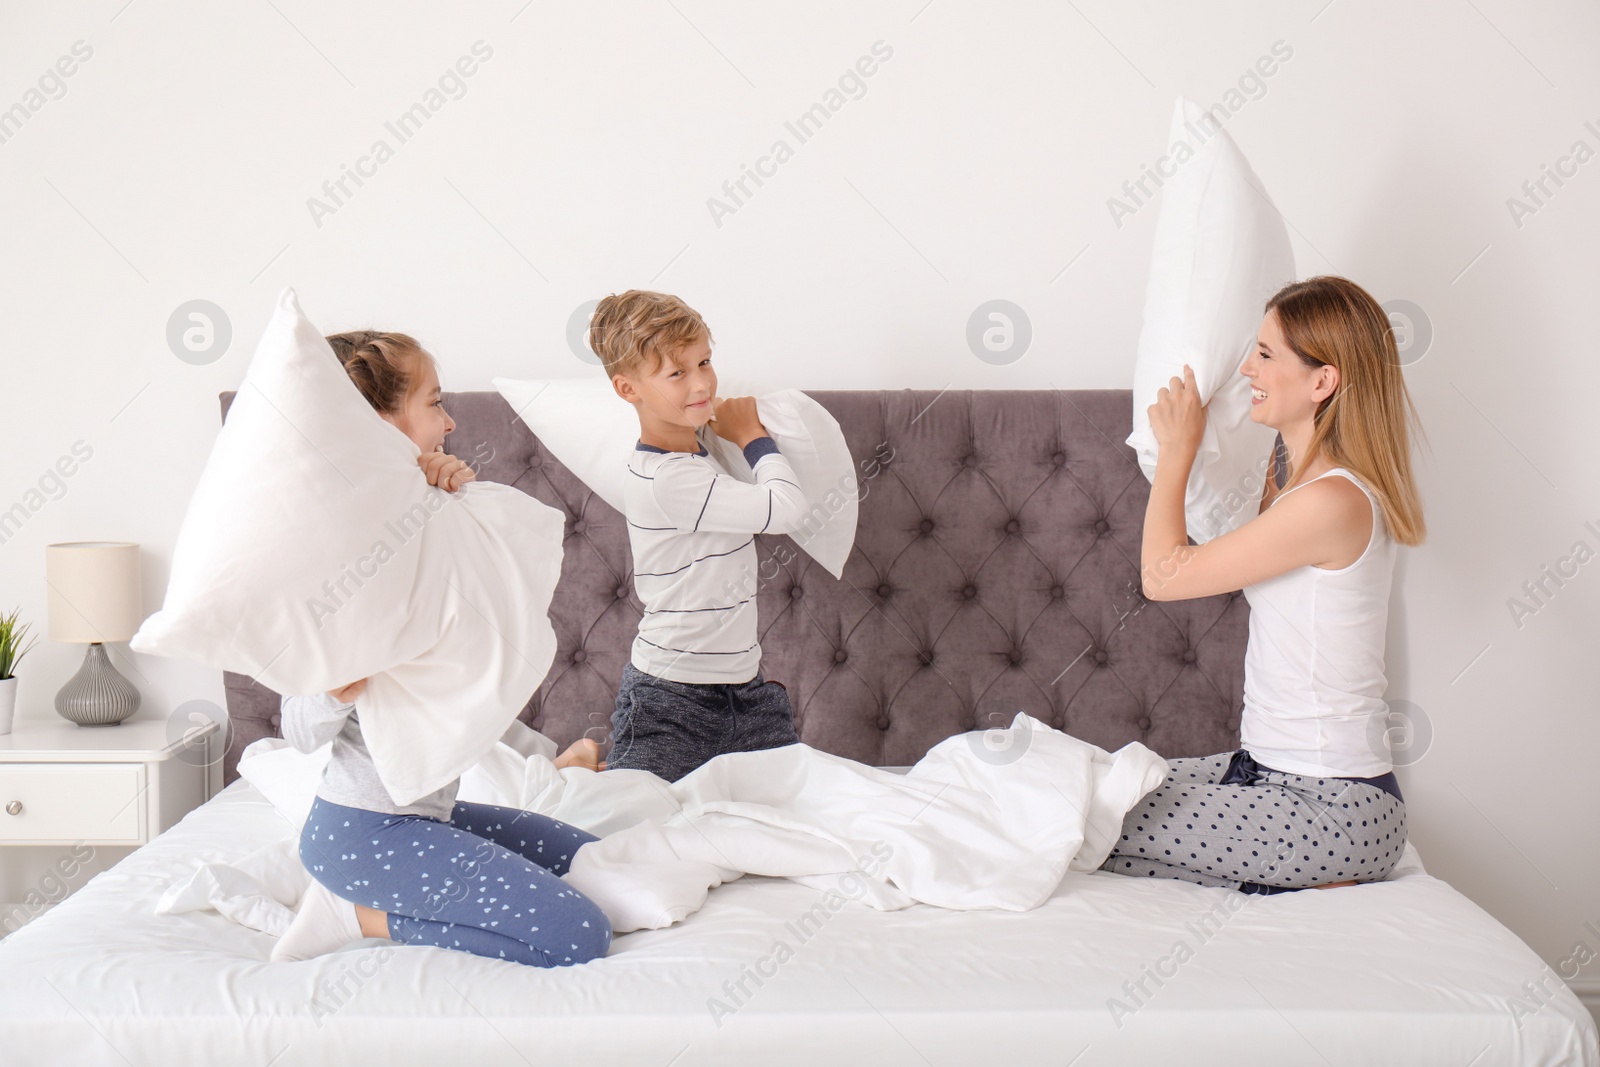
62	784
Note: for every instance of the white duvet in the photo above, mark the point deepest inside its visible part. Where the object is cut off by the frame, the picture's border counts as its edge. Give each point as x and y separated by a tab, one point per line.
989	819
1405	971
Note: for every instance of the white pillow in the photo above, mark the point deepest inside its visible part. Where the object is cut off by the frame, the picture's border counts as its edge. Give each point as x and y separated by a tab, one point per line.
590	430
314	553
1221	251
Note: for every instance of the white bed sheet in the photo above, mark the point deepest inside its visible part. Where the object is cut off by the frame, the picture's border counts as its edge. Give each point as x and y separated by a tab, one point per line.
1402	972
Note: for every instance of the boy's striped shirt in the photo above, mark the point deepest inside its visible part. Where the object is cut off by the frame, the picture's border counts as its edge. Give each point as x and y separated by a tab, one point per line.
692	530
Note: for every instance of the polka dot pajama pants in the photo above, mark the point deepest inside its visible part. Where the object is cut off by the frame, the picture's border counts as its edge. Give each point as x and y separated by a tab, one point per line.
487	882
1224	820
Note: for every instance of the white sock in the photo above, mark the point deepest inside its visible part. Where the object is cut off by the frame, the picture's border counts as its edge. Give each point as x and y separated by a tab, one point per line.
322	923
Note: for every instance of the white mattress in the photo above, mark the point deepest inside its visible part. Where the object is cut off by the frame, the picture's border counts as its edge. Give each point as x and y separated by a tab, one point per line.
1403	972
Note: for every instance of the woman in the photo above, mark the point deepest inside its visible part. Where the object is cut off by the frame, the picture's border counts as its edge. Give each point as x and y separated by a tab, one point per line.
1310	798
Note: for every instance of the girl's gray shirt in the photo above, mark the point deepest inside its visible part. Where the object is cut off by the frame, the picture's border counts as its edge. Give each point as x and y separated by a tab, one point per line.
351	778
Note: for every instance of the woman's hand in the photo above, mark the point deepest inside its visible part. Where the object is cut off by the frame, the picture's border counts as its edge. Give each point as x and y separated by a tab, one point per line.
1177	418
446	471
584	752
347	694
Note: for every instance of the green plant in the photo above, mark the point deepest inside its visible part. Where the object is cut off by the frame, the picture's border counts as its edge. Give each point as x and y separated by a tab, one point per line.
11	636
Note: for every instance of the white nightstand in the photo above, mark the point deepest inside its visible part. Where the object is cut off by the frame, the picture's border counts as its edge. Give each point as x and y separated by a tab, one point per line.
62	784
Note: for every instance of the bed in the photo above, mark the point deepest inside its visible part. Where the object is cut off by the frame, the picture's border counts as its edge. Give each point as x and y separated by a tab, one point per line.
995	570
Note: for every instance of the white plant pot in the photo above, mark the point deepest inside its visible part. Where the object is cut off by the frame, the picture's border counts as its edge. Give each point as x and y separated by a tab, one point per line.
8	703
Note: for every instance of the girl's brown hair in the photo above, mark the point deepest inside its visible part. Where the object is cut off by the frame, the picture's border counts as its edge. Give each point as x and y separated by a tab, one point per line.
382	365
1362	425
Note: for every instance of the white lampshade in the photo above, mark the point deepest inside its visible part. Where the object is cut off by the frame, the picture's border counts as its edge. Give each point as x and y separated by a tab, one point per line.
94	591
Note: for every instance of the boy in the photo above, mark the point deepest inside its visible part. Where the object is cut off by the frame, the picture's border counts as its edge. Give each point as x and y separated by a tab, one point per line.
693	688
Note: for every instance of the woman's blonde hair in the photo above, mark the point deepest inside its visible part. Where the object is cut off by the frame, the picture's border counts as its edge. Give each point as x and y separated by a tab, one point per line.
382	365
1362	425
637	329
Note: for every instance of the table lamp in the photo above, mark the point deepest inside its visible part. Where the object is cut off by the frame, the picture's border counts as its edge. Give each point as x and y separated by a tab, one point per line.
94	598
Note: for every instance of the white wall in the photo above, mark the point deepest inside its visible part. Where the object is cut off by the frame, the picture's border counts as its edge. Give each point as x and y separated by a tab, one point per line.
976	165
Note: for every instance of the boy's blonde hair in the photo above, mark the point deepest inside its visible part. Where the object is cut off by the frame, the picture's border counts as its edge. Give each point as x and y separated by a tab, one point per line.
634	331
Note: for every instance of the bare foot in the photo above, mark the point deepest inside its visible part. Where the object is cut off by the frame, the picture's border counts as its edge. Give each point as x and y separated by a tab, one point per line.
584	752
1334	885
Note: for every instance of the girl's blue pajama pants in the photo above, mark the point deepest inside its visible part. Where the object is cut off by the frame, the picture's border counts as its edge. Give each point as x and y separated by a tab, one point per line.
487	882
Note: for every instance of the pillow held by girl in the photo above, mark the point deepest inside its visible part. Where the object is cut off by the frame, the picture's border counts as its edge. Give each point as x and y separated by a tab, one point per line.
314	553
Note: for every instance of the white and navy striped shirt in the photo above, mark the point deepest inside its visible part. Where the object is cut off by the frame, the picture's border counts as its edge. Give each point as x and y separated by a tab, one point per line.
692	529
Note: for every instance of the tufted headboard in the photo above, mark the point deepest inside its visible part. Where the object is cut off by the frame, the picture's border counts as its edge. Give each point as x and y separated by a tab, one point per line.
996	569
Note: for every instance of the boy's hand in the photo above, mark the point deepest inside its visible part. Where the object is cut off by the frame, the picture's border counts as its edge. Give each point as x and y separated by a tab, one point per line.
347	694
735	419
445	470
584	752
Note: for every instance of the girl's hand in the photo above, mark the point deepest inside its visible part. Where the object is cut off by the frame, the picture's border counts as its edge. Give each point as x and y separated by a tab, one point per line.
445	470
1177	418
584	752
347	694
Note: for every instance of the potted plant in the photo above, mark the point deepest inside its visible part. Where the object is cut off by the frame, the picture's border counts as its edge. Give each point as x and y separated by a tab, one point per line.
11	653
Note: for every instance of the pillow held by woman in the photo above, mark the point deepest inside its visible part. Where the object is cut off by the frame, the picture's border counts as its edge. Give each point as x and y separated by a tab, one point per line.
1221	251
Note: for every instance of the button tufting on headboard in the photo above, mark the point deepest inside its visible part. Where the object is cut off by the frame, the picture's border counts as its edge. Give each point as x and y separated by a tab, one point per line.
989	577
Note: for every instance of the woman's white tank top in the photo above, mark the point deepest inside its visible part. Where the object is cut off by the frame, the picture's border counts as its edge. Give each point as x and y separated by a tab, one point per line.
1313	669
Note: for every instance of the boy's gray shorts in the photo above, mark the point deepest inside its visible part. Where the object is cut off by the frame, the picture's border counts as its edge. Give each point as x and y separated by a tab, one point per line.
670	728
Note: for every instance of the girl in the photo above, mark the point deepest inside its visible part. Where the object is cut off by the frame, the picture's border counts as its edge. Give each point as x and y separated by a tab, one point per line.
1310	798
475	877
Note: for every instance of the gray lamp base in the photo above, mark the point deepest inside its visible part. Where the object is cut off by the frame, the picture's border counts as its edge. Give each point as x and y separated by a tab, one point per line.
97	695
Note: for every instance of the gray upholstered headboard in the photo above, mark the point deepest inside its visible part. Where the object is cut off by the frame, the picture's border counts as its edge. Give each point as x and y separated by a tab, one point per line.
996	569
